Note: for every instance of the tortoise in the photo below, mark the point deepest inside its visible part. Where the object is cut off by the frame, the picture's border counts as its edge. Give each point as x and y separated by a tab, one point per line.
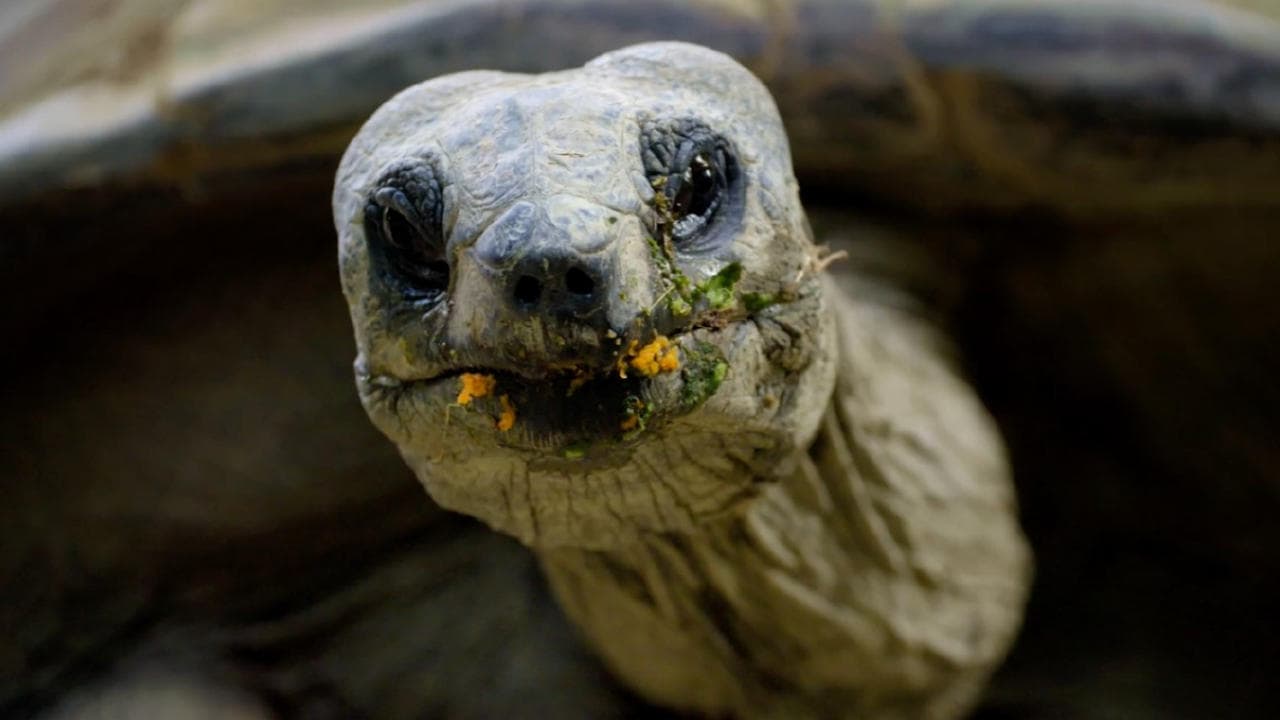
199	513
755	495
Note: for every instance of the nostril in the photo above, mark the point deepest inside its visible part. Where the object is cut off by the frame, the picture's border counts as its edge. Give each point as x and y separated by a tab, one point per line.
578	282
528	290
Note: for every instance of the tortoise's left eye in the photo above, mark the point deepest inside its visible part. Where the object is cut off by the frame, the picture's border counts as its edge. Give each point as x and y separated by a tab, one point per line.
694	170
698	187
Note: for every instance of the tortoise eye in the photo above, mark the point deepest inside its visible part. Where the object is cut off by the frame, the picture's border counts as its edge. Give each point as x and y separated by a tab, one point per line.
701	190
700	186
403	224
696	192
397	229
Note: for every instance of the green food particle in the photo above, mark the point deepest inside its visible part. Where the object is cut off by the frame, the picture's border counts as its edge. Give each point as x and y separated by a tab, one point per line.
680	300
718	289
755	301
717	375
575	452
704	370
636	417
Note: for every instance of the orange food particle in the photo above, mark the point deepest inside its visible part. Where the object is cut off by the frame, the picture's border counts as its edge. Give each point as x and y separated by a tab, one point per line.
507	420
475	385
622	359
670	361
658	356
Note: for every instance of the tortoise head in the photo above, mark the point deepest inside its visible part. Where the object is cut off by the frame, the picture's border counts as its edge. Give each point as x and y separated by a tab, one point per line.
569	289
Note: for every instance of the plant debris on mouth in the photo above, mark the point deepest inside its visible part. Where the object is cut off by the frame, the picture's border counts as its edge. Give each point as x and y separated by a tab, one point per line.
705	370
481	385
507	419
636	417
658	356
475	385
590	409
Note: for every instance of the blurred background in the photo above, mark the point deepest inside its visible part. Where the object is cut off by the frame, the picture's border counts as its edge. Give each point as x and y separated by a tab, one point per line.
1086	194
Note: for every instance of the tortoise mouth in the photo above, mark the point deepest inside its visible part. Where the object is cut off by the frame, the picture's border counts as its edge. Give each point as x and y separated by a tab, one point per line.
559	408
571	412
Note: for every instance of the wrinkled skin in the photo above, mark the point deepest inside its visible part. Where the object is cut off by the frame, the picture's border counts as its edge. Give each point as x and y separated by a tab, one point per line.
825	530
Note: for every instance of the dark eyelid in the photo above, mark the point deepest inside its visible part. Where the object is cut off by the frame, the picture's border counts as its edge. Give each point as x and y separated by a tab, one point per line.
684	156
403	223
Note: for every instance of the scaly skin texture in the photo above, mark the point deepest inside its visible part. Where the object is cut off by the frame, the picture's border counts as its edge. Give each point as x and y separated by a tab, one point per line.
828	532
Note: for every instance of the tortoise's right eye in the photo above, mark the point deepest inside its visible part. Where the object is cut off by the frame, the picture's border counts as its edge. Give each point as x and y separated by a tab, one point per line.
406	238
397	229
